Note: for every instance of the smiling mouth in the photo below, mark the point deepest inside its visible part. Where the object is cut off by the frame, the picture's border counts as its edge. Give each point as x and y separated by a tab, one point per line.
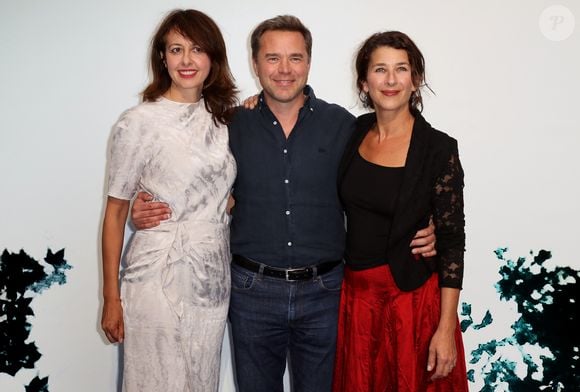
187	73
284	82
390	93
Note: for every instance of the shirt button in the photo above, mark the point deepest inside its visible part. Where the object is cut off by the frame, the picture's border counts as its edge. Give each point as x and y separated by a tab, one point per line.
287	212
286	181
275	122
285	151
289	243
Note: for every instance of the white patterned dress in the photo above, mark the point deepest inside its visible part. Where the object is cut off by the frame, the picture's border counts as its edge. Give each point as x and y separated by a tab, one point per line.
175	286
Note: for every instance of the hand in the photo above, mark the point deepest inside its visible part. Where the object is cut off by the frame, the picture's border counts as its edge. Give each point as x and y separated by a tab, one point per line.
442	354
251	102
146	213
424	241
112	321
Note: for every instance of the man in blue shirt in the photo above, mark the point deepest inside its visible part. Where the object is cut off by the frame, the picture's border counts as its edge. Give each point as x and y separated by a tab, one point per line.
287	233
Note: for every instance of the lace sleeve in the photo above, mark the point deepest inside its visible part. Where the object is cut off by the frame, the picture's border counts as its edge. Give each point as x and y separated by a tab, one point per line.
449	221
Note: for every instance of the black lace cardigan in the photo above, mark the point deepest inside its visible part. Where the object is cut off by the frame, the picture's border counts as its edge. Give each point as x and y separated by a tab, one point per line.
432	185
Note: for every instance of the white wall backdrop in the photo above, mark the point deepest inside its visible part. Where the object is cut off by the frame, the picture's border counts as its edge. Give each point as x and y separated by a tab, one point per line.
504	87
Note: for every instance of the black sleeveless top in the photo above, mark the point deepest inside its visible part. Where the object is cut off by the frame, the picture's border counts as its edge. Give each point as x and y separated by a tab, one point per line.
369	193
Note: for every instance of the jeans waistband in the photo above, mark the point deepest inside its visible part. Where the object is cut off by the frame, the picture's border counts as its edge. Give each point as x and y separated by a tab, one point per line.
290	274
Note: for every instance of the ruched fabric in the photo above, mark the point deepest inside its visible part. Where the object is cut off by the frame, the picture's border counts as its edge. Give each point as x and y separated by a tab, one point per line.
384	335
175	286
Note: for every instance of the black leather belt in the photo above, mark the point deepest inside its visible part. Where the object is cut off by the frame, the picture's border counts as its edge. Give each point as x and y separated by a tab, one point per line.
304	273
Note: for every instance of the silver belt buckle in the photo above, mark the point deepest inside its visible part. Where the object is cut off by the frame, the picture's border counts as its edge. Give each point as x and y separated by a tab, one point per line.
292	270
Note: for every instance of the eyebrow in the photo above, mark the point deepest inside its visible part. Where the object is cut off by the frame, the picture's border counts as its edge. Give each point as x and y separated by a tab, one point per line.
279	55
385	64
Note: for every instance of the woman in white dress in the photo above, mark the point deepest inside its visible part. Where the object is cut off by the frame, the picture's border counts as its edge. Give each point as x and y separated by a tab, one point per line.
170	311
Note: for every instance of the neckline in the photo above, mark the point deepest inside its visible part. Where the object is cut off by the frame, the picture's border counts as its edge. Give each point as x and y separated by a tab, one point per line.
376	164
195	104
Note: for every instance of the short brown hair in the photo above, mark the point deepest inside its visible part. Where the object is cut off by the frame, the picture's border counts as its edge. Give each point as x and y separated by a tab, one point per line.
280	23
396	40
219	90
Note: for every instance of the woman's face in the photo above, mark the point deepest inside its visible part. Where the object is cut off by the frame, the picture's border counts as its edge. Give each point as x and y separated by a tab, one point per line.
389	82
188	66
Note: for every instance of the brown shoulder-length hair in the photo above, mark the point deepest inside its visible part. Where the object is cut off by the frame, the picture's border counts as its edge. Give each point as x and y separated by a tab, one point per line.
396	40
219	90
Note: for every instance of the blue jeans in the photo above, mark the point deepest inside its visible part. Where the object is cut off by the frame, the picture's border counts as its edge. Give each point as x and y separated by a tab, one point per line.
273	319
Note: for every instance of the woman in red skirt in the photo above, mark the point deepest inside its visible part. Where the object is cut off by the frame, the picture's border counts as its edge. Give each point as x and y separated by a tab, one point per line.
398	326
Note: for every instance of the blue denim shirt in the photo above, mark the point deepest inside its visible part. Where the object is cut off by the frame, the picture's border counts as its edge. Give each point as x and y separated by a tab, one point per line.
287	212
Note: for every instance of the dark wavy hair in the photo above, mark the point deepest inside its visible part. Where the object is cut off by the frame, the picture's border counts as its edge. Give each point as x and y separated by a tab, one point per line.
219	90
396	40
280	23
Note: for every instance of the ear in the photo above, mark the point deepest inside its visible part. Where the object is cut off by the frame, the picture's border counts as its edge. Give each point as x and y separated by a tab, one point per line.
255	66
365	86
416	84
163	61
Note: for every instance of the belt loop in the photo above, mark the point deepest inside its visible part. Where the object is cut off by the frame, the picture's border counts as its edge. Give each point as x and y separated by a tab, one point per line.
314	272
261	271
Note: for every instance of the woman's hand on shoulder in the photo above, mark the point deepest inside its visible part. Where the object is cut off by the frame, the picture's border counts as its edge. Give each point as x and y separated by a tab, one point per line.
251	102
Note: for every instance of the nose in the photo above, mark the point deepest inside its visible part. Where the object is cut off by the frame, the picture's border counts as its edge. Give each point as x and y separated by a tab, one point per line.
390	78
284	66
187	58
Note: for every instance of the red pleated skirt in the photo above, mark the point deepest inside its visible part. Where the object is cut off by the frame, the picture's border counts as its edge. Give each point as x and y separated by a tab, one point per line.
384	335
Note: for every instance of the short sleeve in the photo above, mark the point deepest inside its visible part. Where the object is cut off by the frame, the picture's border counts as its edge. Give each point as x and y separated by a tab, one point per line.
126	157
449	220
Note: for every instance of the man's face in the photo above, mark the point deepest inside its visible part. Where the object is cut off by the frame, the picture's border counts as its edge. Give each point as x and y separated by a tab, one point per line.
282	65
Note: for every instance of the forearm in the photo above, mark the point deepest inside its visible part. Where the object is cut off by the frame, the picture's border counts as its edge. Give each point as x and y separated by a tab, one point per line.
449	303
112	245
449	219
